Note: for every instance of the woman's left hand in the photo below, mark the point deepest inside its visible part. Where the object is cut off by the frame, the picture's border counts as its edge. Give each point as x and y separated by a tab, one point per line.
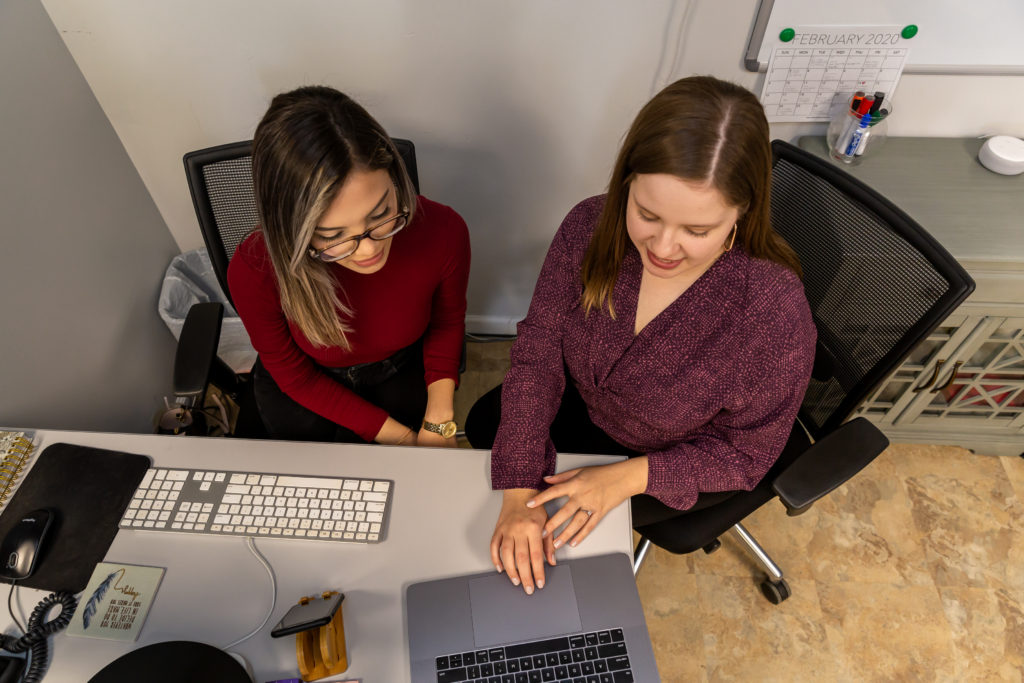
592	492
433	439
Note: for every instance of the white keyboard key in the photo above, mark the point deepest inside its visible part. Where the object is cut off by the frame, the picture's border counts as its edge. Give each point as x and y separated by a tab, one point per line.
381	486
335	534
348	535
329	525
180	516
304	524
153	514
203	518
161	474
366	485
372	537
147	478
231	498
375	528
228	528
260	521
293	523
300	532
175	525
317	524
360	505
168	505
177	486
333	494
215	527
148	524
247	520
288	532
146	504
247	509
246	500
250	529
268	480
197	476
275	532
346	495
208	476
223	508
237	479
375	496
336	515
374	517
161	495
360	537
137	522
192	517
234	509
357	495
188	526
351	485
236	488
322	493
264	531
173	495
166	486
205	486
207	507
360	516
278	490
252	479
178	475
219	476
129	514
186	506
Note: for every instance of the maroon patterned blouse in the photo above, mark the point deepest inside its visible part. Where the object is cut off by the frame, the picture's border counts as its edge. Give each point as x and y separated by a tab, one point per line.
709	389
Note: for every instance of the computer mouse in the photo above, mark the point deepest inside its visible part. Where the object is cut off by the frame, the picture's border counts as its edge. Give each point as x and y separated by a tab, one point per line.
19	550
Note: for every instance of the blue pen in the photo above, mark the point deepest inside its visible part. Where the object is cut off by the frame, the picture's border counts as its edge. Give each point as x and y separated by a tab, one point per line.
858	134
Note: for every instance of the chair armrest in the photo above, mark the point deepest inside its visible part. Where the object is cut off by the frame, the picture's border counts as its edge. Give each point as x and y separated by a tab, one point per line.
197	348
828	464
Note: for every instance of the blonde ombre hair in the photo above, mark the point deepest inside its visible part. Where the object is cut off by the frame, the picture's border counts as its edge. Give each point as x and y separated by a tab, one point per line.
705	131
304	148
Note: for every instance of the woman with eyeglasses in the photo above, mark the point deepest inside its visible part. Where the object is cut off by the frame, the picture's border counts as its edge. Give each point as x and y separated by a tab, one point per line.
353	288
669	324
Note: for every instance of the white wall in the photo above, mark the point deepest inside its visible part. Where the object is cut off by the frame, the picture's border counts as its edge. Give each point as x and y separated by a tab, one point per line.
83	249
516	107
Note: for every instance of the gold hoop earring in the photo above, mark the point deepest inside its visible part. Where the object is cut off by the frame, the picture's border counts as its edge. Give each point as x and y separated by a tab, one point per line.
735	229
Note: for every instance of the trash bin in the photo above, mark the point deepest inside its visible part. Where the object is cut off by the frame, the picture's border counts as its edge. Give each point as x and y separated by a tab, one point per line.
190	280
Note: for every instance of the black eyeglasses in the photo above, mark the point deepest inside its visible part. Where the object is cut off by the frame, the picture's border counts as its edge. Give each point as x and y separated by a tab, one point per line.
348	246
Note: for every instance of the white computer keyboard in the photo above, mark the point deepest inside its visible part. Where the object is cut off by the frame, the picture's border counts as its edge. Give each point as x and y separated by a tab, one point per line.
221	502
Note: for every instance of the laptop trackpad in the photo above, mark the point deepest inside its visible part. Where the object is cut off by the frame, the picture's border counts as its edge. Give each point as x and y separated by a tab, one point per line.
503	613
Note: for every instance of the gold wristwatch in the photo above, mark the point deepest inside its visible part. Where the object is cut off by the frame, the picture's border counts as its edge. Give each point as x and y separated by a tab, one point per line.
445	429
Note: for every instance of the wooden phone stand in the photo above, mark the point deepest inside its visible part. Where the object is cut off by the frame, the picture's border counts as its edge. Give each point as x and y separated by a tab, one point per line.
321	651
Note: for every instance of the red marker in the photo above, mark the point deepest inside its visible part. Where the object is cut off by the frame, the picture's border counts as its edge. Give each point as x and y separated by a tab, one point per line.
865	105
856	100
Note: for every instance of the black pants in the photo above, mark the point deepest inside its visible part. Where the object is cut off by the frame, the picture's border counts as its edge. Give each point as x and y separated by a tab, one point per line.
395	384
572	431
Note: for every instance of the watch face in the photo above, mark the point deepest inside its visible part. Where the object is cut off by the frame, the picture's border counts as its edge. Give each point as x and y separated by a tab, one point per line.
448	430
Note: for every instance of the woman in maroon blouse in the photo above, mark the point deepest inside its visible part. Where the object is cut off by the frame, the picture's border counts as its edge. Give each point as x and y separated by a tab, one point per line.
353	289
678	318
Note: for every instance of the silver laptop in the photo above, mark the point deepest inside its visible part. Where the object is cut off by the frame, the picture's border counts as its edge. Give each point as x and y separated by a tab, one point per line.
586	624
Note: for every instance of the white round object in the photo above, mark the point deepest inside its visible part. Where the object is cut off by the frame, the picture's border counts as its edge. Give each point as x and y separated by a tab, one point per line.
1003	154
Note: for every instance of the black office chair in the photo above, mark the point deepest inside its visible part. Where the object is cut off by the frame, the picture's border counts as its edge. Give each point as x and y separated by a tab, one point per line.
220	181
877	285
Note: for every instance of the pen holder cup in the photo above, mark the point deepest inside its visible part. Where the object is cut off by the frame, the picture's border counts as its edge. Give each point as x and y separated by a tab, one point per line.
849	142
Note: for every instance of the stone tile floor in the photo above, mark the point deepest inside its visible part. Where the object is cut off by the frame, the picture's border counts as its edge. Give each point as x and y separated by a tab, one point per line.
913	571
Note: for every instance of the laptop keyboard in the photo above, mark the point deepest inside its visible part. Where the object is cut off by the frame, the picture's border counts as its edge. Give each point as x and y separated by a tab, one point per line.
595	657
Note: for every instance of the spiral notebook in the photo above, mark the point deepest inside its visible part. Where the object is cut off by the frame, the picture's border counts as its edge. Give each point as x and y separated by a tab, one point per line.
15	450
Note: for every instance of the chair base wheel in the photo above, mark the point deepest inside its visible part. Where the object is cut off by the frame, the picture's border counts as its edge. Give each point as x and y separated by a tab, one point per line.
775	591
712	547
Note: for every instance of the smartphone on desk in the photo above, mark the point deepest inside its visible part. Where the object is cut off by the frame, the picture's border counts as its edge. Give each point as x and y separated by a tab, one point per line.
310	613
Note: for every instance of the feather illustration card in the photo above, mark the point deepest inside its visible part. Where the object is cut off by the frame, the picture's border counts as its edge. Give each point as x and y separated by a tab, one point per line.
116	601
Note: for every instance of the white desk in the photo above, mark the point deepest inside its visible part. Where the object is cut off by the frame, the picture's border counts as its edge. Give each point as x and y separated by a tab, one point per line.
215	591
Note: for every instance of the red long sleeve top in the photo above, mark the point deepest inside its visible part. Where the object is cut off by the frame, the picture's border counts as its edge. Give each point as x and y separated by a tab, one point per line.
420	292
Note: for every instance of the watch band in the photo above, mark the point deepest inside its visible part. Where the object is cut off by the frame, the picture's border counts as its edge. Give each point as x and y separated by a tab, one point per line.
445	429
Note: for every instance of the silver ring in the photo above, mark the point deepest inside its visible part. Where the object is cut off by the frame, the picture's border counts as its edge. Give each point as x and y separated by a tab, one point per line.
589	512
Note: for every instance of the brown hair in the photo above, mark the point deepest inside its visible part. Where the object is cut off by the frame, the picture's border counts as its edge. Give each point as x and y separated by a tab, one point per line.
702	130
308	142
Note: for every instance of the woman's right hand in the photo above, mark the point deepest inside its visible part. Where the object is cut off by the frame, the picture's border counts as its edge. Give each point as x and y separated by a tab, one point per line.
517	546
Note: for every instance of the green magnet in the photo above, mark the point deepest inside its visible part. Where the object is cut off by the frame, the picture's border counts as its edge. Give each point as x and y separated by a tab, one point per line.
909	31
789	34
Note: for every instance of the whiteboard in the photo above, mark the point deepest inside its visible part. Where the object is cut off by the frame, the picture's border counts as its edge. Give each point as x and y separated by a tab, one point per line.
954	37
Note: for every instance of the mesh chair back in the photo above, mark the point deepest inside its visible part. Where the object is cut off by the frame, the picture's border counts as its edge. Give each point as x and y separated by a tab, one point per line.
220	181
876	282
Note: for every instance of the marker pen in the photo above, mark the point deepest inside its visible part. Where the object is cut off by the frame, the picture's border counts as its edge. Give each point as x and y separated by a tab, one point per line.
876	116
843	142
862	127
856	100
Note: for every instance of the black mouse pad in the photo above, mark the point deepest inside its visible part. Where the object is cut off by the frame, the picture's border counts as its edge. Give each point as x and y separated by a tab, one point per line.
88	489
